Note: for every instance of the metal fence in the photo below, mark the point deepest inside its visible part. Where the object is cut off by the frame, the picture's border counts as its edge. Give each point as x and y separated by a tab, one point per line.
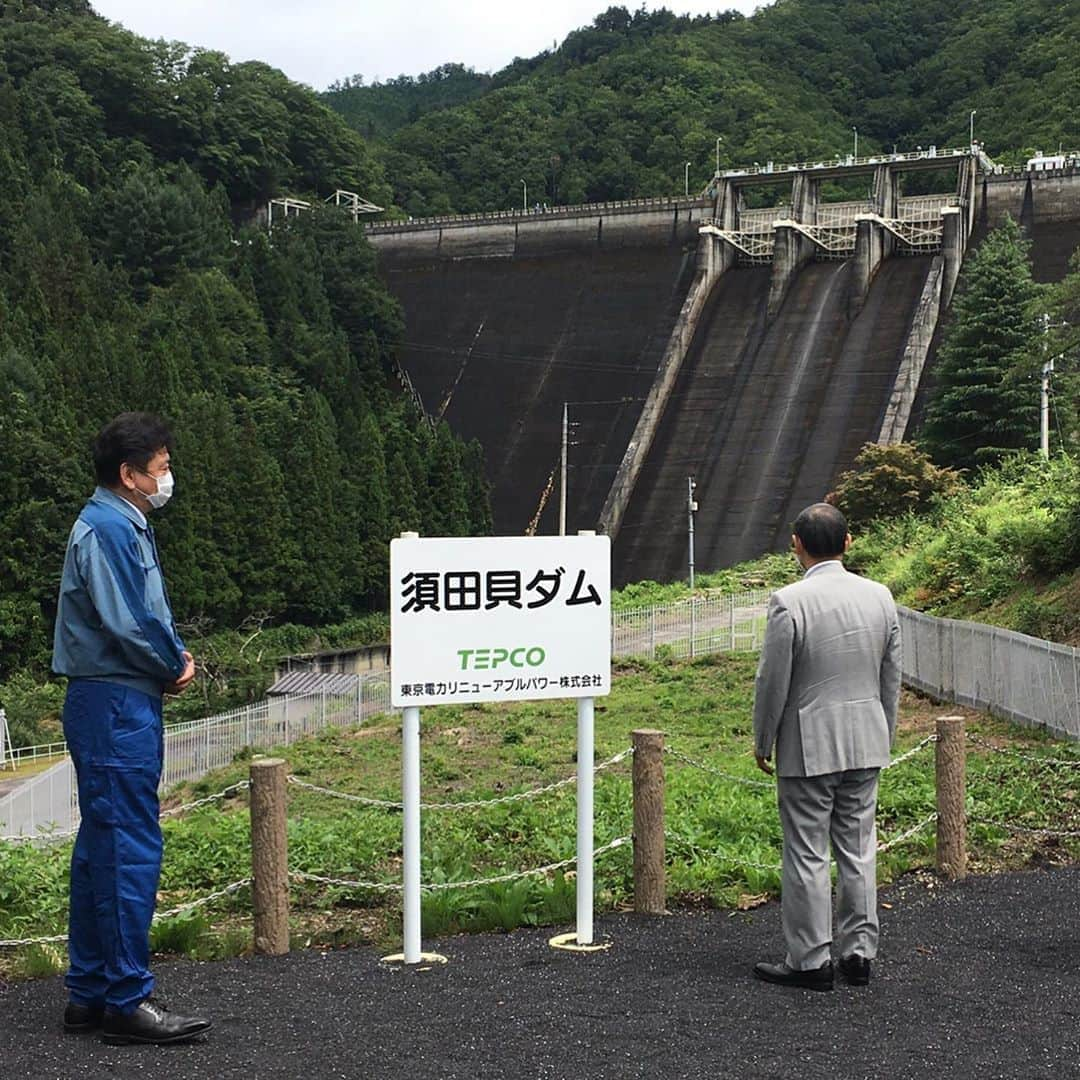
48	802
689	628
1025	679
45	804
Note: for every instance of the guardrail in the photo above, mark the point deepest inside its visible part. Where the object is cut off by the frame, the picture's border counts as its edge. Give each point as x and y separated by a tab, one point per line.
847	161
577	210
27	755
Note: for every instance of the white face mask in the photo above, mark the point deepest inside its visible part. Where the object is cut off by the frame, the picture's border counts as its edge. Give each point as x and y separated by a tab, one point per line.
164	490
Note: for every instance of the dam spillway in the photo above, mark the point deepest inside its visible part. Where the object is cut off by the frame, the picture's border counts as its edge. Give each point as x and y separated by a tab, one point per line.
765	415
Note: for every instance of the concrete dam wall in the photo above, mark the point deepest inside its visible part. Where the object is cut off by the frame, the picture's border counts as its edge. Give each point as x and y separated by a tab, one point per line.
496	344
679	358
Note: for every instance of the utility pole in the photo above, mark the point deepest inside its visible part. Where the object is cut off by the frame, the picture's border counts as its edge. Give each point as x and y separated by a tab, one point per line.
719	140
524	195
1044	398
686	179
691	507
562	481
855	156
971	128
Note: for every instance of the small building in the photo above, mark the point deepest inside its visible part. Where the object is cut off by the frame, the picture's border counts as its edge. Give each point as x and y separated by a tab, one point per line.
1042	162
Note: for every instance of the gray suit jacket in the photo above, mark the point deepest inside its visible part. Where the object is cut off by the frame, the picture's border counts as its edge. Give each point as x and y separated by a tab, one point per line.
828	684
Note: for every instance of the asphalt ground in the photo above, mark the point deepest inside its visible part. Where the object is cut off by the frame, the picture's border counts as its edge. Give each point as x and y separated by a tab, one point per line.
976	979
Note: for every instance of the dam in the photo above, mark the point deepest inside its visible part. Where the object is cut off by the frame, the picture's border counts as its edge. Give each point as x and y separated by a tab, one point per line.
752	347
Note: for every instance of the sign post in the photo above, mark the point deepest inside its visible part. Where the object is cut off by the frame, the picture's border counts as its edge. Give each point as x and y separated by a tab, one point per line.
498	619
585	821
410	847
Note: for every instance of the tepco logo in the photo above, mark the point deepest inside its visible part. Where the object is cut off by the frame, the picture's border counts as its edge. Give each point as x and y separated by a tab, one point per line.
489	659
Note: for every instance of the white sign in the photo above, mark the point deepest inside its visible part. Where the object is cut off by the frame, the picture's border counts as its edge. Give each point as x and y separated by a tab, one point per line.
499	619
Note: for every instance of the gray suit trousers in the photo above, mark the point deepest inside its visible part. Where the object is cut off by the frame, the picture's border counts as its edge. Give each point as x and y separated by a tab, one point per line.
814	809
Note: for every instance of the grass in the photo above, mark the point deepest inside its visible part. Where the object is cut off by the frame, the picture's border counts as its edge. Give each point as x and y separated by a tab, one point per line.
715	828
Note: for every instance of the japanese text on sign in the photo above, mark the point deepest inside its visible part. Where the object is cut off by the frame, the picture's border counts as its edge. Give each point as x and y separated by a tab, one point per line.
534	612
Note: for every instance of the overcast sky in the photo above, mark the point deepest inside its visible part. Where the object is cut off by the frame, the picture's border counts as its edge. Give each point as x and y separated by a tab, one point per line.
319	41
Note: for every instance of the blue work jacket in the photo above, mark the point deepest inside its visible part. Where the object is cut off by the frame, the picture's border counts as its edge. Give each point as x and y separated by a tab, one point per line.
114	623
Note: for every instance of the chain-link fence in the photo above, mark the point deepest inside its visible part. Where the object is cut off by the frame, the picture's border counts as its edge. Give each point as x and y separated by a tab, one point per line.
1025	679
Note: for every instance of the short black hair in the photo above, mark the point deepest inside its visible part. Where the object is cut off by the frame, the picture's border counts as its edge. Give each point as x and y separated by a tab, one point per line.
823	530
134	437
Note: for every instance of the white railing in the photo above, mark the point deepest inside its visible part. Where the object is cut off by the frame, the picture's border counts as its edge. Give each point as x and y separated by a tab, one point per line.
19	756
47	803
848	161
732	622
577	210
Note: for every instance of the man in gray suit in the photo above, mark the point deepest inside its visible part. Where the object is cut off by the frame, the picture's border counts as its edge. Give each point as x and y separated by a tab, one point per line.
826	698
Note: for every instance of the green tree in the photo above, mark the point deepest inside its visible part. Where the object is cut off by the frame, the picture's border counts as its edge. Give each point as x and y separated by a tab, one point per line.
982	406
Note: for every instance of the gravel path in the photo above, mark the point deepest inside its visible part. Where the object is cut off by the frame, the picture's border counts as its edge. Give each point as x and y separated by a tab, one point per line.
980	979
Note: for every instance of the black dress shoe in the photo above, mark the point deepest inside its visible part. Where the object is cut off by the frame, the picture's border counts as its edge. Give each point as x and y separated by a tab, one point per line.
80	1018
855	969
815	979
151	1022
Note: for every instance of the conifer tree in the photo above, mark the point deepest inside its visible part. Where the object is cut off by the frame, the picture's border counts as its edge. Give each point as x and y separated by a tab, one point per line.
983	406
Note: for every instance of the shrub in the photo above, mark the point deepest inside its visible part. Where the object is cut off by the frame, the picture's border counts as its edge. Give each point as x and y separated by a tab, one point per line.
890	481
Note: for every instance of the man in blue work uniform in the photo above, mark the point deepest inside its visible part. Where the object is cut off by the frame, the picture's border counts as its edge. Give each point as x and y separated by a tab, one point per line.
117	643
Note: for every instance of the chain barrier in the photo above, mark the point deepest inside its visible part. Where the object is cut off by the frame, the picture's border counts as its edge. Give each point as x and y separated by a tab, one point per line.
896	841
385	804
748	782
174	811
242	785
47	837
470	804
171	913
738	860
916	749
180	909
744	780
18	943
1031	830
386	886
1038	759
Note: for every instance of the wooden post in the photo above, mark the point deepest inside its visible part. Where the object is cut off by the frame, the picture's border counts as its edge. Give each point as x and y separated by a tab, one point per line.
649	886
951	770
269	857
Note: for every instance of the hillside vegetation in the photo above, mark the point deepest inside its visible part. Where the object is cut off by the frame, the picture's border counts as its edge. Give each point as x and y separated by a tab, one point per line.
133	277
618	108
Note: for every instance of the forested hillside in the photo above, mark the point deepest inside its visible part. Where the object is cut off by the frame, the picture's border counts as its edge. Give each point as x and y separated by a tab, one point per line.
130	279
619	107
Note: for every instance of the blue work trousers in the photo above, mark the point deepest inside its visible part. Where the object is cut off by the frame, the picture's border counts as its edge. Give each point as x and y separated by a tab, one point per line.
115	738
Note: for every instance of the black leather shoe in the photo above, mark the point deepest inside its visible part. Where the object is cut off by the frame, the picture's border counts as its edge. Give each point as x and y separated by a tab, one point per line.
80	1018
855	969
151	1022
816	979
